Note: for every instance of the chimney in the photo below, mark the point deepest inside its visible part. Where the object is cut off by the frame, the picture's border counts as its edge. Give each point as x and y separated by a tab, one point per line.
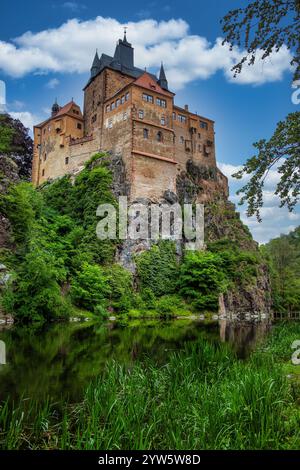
186	107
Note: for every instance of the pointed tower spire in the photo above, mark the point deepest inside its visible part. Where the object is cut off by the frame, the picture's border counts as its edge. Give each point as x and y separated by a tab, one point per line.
125	37
96	65
162	81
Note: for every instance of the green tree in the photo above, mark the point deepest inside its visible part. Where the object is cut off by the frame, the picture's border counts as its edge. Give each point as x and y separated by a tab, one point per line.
265	25
282	151
90	287
16	143
268	25
202	279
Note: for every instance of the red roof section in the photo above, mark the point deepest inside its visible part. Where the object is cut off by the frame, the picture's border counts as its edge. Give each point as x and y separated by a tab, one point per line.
146	81
63	110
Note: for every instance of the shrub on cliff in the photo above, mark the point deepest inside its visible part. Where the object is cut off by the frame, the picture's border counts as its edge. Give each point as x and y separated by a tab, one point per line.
202	279
157	268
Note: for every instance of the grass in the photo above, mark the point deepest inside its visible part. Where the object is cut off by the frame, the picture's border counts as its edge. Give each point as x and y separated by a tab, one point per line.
203	398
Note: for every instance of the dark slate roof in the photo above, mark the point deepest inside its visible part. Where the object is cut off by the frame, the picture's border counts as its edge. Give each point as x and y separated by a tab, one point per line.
115	63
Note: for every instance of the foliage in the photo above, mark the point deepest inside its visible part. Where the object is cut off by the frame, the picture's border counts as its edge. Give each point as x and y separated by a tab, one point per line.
283	255
54	232
201	280
266	25
35	294
22	205
157	268
282	150
16	143
121	288
90	287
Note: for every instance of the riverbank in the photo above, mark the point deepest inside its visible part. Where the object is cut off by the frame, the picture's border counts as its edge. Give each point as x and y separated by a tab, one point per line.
202	398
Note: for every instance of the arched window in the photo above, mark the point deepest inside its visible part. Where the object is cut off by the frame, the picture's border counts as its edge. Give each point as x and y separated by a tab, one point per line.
159	137
146	133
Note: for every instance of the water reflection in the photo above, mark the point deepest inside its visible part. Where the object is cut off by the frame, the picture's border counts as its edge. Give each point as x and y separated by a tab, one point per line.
60	360
244	336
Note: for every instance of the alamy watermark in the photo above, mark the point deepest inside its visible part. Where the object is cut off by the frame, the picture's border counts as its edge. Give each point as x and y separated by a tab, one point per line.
296	94
152	221
2	353
2	97
296	354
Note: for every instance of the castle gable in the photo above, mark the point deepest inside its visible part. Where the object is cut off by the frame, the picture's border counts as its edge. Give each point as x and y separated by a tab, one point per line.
146	81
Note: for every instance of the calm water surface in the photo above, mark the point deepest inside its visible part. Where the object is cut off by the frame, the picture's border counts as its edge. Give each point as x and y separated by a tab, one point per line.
59	360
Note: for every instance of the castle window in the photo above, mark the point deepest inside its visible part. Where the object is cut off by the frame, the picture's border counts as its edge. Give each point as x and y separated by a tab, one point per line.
79	126
124	116
199	135
146	133
123	99
118	102
203	125
141	114
199	148
67	160
49	128
147	98
161	103
43	172
127	96
44	130
45	157
163	120
107	108
110	124
113	105
75	111
174	116
181	139
159	136
181	118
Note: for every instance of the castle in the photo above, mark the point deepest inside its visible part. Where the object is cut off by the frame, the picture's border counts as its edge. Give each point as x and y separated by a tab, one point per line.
131	113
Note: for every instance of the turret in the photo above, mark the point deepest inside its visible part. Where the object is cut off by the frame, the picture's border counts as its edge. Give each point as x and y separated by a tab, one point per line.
55	108
162	81
95	66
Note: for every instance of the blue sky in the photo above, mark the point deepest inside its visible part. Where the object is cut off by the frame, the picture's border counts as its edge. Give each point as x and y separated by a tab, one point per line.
45	52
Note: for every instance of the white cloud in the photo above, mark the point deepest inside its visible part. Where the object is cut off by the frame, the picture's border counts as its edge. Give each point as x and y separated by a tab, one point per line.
52	83
70	48
275	220
74	6
28	119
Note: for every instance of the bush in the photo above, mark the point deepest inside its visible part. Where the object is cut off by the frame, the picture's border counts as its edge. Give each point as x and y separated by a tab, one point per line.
157	268
121	294
35	294
202	279
90	287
